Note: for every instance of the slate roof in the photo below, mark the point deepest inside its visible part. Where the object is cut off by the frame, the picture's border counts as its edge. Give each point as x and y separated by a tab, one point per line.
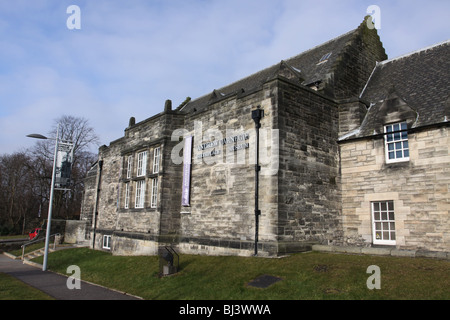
421	80
306	65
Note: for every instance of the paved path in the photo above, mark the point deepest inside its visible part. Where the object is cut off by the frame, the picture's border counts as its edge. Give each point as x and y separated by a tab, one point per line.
55	284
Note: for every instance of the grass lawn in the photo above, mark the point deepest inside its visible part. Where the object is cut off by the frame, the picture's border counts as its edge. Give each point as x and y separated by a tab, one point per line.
13	289
304	276
20	236
29	248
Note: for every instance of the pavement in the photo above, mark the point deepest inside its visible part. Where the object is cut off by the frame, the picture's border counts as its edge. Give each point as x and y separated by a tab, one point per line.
55	285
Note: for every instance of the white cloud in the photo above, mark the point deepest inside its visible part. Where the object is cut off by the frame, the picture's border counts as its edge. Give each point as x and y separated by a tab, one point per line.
130	56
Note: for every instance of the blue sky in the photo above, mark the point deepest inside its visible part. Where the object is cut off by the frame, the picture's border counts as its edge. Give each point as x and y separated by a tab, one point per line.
130	56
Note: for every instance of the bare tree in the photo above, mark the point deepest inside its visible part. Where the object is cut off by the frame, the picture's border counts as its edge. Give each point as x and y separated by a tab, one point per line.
16	197
82	135
25	178
76	130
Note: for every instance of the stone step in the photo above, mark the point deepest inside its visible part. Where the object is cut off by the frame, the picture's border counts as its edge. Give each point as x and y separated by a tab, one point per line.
36	253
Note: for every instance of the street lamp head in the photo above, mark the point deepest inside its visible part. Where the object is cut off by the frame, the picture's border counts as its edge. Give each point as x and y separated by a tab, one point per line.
36	136
257	115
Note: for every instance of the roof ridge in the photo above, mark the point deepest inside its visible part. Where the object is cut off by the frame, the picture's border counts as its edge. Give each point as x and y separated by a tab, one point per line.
296	56
321	45
415	52
287	61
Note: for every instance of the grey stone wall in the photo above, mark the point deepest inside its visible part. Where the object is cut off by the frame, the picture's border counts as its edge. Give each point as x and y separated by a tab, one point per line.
355	65
75	231
89	195
309	194
351	115
221	217
109	186
298	184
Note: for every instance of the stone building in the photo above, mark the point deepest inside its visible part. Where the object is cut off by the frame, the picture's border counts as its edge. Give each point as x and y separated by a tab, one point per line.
353	149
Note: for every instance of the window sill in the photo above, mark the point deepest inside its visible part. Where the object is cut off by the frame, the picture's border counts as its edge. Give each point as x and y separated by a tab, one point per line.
397	160
381	243
397	165
131	210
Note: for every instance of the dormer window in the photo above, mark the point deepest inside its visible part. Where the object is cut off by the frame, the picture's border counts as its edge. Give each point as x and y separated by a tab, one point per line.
324	58
396	142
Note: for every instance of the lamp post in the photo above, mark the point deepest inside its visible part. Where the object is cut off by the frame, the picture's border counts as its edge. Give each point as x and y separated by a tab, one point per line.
257	115
52	190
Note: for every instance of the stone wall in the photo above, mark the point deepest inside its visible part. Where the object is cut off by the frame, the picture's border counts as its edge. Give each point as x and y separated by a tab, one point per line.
355	65
308	181
171	175
298	182
89	195
419	189
107	202
75	231
141	226
221	217
351	115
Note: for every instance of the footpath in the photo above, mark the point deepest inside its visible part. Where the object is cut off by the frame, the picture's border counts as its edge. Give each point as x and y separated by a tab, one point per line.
55	285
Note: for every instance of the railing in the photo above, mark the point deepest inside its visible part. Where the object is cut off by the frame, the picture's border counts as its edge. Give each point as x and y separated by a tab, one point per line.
38	240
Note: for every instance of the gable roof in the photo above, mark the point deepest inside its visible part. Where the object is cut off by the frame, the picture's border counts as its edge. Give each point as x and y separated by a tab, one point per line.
420	80
307	67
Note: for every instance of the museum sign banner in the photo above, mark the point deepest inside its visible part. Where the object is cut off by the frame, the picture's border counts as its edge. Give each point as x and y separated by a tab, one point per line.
187	165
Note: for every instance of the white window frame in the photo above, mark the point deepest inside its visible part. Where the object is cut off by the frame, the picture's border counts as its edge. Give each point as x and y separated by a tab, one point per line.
140	194
129	166
156	159
396	142
106	243
383	222
141	164
127	196
154	196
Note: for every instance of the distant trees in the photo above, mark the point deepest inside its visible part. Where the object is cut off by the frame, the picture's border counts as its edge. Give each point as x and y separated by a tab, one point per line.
16	191
25	178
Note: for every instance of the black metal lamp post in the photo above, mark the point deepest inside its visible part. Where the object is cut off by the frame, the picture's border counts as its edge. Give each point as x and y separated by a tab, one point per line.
257	115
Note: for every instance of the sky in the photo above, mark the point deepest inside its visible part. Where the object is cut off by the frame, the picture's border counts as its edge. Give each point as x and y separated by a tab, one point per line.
112	60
